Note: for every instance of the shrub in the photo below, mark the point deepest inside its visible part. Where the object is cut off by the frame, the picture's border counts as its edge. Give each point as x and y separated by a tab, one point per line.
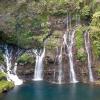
25	58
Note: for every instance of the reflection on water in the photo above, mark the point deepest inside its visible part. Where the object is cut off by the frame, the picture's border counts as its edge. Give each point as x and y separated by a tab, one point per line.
46	91
72	92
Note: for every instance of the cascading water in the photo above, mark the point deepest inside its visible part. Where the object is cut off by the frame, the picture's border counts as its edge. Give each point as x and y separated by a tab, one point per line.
15	78
11	74
38	73
1	68
68	41
77	19
59	58
88	51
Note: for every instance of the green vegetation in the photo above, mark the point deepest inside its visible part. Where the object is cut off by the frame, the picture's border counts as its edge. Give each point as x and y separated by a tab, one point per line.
81	55
2	76
79	37
98	71
95	33
4	84
85	12
53	41
1	58
26	58
27	23
26	17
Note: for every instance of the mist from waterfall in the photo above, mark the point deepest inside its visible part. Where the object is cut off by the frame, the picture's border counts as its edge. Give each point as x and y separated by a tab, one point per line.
88	51
38	73
11	74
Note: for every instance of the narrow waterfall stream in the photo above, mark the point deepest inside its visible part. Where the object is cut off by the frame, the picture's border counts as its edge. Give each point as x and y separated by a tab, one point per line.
38	73
1	68
60	66
88	51
68	41
11	74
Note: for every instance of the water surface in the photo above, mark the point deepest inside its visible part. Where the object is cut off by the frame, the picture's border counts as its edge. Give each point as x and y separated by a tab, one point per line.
47	91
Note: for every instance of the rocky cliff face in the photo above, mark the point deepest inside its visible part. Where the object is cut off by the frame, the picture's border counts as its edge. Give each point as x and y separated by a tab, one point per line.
25	25
26	66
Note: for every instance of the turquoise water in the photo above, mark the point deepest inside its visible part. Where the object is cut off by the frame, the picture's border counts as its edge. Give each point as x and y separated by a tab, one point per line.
47	91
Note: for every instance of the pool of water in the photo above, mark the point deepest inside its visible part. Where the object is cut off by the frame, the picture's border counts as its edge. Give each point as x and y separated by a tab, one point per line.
47	91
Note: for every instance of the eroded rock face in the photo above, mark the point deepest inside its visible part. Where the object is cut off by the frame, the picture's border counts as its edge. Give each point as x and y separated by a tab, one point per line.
25	71
58	23
24	24
96	69
49	67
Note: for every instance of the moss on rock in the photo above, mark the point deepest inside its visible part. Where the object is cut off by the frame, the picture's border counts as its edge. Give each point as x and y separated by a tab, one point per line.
81	55
4	84
54	40
26	58
2	76
1	58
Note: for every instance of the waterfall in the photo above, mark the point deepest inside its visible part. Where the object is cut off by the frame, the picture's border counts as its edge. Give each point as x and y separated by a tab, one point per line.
38	73
2	68
88	51
68	42
59	58
11	74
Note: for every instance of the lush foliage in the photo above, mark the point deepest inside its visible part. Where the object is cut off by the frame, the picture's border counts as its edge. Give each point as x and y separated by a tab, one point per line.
85	12
53	41
26	58
81	55
2	76
1	58
98	71
4	84
26	22
95	33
